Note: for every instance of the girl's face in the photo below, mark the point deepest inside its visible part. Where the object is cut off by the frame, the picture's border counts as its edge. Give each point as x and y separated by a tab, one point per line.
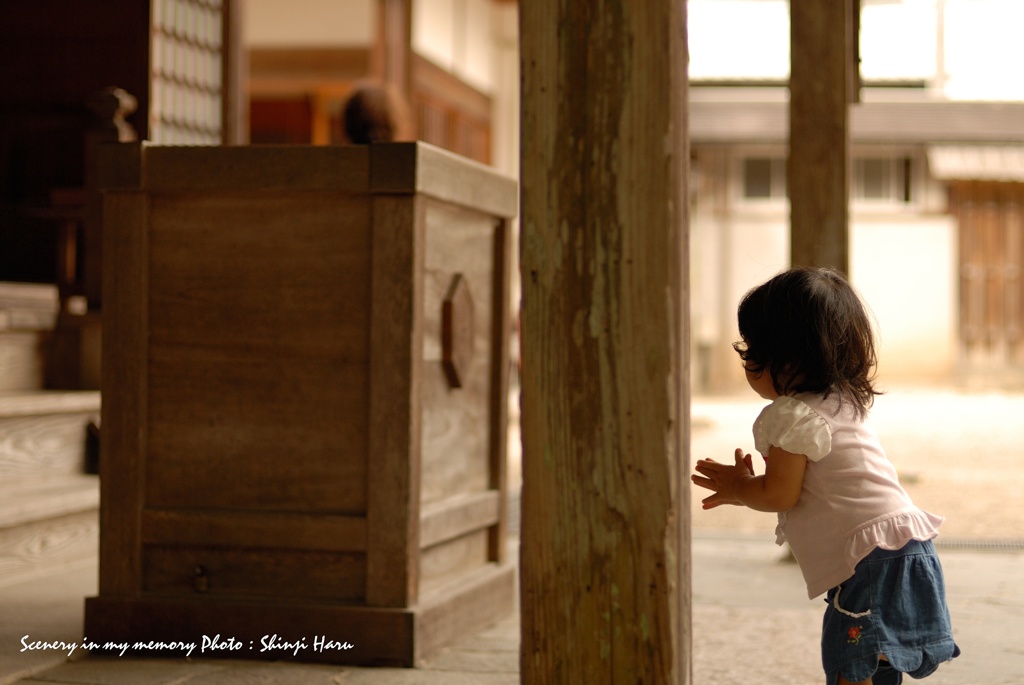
761	383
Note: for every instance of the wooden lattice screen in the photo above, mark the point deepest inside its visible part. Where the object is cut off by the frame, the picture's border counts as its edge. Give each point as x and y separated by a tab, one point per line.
187	72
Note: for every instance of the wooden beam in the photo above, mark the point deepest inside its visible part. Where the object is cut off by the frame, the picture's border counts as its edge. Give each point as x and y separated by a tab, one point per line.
821	85
605	549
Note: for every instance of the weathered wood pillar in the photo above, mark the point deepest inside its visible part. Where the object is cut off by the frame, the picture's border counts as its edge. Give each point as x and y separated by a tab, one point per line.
822	83
605	408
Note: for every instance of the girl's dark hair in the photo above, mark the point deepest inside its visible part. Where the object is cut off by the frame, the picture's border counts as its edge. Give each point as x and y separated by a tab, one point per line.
809	330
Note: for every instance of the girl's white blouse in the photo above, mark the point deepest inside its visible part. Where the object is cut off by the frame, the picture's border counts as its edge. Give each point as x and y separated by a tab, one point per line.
851	501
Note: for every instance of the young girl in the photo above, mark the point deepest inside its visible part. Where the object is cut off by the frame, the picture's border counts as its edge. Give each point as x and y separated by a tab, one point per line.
807	347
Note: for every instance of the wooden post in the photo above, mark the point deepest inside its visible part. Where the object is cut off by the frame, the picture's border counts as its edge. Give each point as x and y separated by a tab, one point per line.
110	106
235	65
393	52
605	547
822	83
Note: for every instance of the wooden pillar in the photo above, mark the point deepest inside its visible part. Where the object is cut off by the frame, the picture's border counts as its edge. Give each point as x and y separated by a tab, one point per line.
391	58
605	526
822	83
234	85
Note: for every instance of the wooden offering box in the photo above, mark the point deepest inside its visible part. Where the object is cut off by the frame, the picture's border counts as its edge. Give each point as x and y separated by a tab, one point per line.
305	378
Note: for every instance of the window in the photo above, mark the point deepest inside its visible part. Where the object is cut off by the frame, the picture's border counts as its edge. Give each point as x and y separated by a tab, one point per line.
881	179
873	179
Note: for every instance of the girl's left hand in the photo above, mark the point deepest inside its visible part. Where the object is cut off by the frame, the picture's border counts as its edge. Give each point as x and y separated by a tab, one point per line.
723	479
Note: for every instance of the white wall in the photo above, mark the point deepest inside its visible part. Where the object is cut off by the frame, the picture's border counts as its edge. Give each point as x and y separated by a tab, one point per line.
906	272
505	98
729	256
903	266
433	31
309	23
457	36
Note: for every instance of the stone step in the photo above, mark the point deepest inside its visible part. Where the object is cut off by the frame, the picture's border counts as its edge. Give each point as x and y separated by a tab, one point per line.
28	314
44	433
28	306
49	504
47	524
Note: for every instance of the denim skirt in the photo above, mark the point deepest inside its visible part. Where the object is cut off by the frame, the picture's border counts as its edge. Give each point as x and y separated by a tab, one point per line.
895	606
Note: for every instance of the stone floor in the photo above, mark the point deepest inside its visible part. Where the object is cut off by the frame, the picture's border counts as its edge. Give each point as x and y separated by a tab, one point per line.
958	453
752	623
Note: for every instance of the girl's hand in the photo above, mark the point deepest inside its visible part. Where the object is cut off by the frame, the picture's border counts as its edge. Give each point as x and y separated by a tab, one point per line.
777	490
723	479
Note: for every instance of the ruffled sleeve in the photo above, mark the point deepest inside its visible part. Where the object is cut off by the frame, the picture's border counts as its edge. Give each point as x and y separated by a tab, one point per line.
793	426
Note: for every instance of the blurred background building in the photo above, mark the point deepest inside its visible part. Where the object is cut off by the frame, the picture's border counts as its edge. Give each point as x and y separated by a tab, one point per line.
937	181
937	173
209	72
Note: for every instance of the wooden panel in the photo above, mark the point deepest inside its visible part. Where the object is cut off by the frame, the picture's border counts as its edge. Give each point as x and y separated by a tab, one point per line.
991	228
259	347
396	371
450	561
482	596
280	121
458	515
278	530
281	574
295	94
456	422
297	456
263	274
450	113
433	81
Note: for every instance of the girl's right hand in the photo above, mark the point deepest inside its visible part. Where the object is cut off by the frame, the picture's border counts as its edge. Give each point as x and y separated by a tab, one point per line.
708	469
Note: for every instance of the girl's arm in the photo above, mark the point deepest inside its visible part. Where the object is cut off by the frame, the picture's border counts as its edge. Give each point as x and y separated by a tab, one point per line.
777	490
